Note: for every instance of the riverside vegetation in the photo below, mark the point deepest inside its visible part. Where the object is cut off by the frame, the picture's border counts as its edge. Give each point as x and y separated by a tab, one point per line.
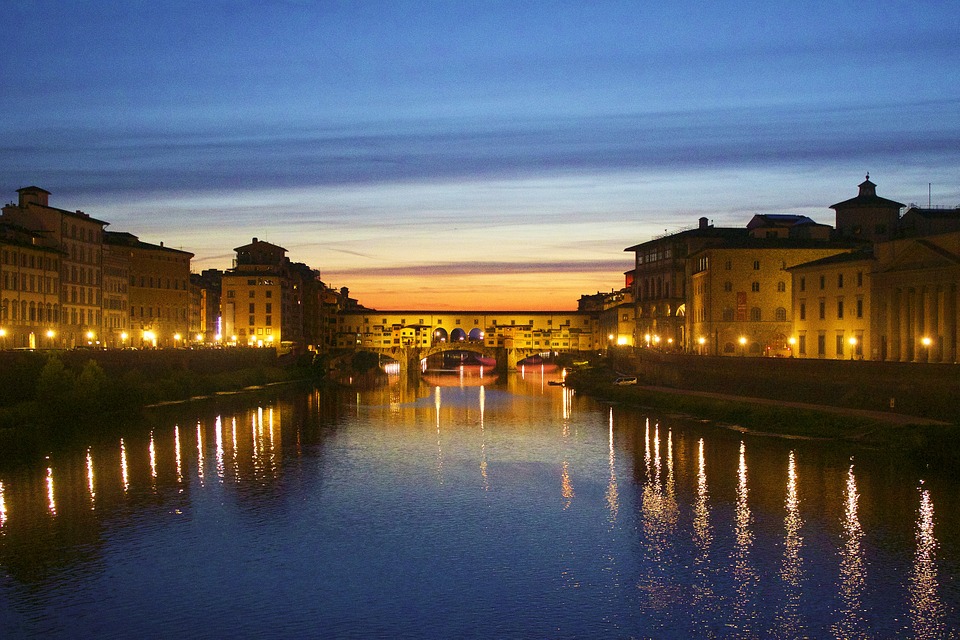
46	395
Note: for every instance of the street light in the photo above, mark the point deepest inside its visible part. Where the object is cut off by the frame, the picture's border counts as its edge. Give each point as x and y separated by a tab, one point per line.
3	337
853	346
743	345
50	334
702	342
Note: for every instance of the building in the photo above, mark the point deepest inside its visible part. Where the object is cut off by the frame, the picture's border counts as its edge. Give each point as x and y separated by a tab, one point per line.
660	282
29	289
262	298
205	319
831	307
78	238
740	295
916	310
158	292
116	301
867	217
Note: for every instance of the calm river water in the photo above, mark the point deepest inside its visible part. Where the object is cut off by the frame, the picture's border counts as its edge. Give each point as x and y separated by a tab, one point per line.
507	509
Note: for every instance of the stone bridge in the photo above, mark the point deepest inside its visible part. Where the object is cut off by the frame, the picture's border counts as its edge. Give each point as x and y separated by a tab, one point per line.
411	358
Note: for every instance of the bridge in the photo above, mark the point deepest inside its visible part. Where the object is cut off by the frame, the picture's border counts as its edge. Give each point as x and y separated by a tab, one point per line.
412	357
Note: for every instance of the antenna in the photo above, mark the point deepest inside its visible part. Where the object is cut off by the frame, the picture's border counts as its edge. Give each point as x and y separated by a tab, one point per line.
929	202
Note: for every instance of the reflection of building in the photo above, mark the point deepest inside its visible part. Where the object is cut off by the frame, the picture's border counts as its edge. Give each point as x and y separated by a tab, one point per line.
29	288
159	291
78	237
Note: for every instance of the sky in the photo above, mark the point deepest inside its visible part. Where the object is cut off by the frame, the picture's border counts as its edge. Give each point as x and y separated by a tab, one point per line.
470	155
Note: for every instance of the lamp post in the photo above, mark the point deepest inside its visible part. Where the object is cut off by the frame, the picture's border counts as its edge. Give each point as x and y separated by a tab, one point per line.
853	347
50	335
926	341
702	342
123	339
791	341
3	338
743	346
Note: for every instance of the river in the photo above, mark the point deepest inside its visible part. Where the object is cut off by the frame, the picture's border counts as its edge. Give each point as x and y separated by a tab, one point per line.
468	507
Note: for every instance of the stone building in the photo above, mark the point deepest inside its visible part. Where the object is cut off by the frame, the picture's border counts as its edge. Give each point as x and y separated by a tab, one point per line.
29	289
159	290
78	238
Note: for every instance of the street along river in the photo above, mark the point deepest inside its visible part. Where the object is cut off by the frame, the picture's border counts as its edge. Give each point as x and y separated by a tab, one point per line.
468	507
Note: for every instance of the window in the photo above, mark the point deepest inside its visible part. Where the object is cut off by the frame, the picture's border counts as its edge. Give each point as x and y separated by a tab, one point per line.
755	314
781	314
781	286
252	307
839	281
253	321
252	293
803	310
728	265
859	278
840	309
803	345
231	293
269	320
756	265
839	345
728	314
251	283
823	309
859	307
754	286
823	282
728	286
821	345
269	293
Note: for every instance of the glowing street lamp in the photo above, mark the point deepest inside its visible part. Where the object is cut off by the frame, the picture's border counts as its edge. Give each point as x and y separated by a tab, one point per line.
198	337
123	339
50	335
176	339
150	338
3	337
702	342
743	345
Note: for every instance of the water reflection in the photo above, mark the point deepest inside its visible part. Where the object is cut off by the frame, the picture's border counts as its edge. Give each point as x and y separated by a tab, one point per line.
654	533
789	622
613	494
926	608
852	622
745	576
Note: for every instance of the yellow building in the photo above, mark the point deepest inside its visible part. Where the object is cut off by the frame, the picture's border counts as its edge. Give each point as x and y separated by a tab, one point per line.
79	239
158	292
539	330
740	295
831	307
261	302
29	290
916	308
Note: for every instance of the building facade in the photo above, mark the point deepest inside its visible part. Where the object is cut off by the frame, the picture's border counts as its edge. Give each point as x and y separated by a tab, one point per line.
79	239
29	289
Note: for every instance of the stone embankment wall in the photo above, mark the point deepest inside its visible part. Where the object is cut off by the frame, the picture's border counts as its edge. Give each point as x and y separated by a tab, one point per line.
926	390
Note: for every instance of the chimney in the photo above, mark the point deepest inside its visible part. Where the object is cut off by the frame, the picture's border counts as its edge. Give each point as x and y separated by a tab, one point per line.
703	223
254	240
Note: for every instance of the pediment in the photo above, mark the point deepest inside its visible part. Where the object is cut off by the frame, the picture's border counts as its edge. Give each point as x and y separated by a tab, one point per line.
920	255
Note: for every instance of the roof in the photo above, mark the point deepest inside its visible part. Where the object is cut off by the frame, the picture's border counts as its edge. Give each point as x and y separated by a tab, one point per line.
779	220
940	212
129	240
698	232
259	244
867	198
840	258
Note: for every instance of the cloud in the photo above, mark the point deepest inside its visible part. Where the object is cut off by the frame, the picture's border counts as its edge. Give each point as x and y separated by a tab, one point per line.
493	268
87	162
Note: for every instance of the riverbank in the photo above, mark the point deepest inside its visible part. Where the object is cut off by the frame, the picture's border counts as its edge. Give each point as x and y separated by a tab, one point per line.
49	395
923	440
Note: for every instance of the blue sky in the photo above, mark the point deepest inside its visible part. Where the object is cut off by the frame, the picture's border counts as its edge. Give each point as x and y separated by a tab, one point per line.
481	154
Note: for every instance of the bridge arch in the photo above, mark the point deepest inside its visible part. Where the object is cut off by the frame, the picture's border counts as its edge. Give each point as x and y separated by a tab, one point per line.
458	335
475	335
440	335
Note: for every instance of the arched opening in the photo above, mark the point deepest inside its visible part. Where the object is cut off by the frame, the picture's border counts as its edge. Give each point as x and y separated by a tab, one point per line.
439	335
458	335
476	334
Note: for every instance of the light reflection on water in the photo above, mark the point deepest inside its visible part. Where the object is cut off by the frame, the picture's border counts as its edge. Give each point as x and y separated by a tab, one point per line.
513	509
